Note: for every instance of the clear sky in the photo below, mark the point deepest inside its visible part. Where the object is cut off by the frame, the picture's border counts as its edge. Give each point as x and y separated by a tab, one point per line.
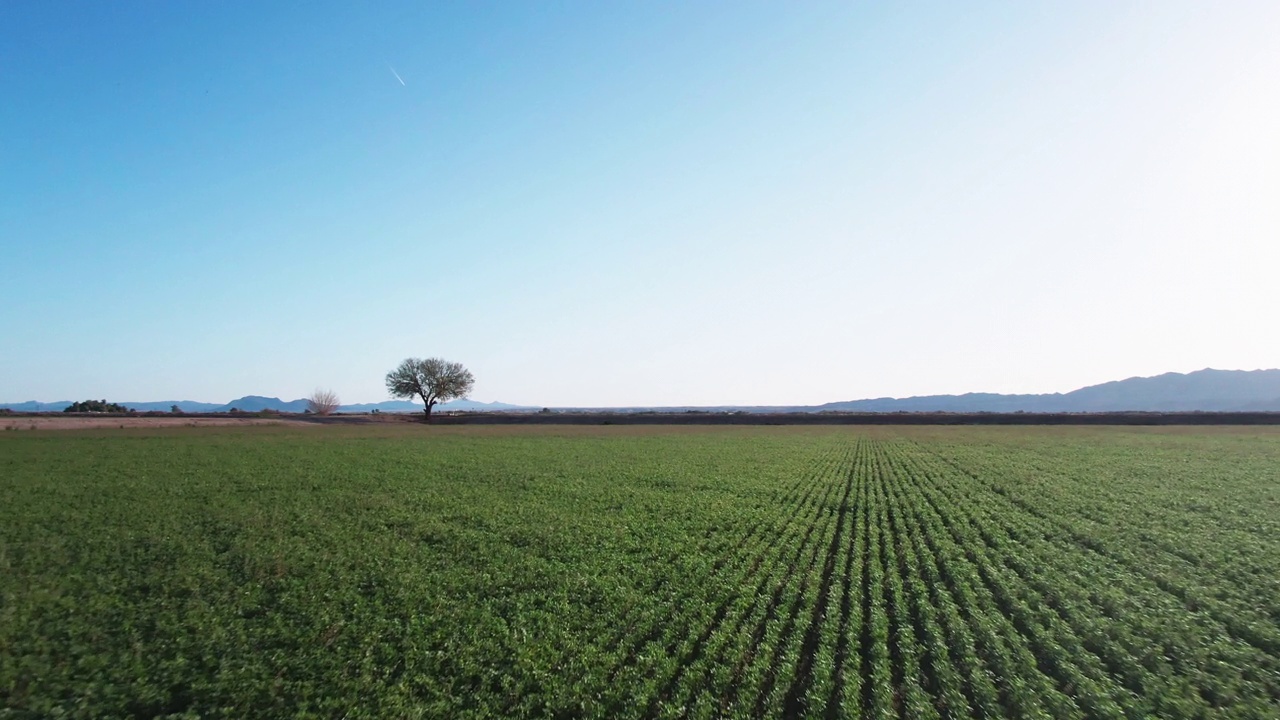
608	203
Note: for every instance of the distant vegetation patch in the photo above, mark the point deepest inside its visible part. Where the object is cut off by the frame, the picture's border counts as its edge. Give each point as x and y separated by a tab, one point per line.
95	406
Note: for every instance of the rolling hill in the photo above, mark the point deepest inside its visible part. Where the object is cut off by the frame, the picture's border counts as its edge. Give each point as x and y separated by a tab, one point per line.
1204	390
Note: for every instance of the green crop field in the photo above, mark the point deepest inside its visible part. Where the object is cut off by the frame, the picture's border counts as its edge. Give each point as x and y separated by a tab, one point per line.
411	571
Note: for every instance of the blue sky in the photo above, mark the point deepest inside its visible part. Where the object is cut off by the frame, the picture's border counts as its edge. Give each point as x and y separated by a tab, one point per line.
634	203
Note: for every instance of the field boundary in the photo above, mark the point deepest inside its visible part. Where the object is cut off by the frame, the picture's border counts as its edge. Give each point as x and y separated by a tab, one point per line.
75	421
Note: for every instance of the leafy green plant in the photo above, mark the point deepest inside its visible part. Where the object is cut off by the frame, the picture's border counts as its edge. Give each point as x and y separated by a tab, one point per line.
640	572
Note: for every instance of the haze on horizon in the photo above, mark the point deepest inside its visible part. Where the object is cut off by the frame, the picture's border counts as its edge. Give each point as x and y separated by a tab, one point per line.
602	204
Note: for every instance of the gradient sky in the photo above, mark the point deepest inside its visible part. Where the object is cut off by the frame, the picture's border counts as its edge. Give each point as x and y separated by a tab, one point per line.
642	203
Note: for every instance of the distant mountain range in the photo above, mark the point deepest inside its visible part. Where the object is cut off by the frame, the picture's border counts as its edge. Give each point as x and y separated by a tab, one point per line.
256	403
1204	390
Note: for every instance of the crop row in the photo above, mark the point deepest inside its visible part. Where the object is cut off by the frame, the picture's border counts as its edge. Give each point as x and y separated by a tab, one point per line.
919	588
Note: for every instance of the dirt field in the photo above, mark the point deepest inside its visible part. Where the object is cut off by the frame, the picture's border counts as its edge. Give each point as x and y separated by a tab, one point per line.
47	422
87	421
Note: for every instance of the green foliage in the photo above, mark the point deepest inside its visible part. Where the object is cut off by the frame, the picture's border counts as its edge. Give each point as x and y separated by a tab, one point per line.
433	380
640	572
96	406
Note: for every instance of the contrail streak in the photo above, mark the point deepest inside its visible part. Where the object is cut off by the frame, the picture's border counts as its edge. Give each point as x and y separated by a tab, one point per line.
393	72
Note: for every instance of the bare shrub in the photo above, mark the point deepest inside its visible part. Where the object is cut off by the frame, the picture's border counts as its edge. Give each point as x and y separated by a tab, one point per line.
323	402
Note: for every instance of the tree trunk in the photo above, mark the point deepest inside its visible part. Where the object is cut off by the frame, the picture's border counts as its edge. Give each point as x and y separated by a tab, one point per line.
427	411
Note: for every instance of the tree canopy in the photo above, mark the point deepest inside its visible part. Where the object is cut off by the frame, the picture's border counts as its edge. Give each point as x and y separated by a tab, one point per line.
434	380
101	406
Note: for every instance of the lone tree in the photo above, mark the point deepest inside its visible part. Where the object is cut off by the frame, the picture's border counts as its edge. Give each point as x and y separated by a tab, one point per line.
434	380
323	402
